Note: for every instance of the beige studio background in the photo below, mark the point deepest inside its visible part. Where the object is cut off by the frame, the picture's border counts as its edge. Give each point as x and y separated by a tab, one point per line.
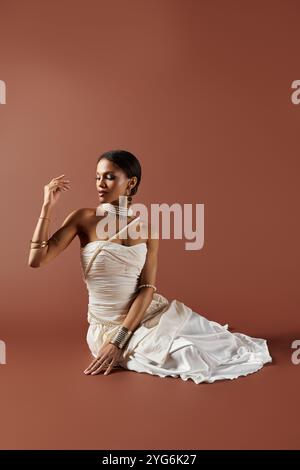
200	92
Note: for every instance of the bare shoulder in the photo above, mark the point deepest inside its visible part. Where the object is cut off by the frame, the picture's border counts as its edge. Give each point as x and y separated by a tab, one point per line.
84	214
76	217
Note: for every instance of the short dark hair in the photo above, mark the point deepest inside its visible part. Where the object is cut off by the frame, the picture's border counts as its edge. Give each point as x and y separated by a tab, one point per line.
127	162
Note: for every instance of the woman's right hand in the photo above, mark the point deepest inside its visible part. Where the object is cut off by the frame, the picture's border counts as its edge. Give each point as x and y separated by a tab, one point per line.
53	190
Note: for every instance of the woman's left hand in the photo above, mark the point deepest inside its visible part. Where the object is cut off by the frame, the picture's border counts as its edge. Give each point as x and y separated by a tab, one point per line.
108	356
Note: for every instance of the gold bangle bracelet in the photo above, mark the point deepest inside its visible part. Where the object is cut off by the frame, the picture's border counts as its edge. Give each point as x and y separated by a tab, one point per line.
41	244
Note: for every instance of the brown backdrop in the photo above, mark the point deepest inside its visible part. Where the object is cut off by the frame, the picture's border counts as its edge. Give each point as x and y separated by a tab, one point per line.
200	92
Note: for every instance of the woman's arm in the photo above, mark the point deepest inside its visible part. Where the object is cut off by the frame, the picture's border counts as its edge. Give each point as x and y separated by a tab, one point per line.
40	255
58	242
145	295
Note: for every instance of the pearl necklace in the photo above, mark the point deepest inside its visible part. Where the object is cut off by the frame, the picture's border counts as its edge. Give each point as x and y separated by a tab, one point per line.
119	210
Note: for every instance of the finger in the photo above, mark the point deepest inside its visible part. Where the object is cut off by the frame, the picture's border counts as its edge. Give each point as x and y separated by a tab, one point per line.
88	369
60	186
98	362
61	183
91	365
109	367
98	369
57	177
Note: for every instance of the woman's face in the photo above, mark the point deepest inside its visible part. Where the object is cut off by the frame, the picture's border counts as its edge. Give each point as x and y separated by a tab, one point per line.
111	182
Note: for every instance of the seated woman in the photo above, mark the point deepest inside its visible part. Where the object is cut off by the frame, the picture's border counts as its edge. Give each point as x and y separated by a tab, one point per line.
131	325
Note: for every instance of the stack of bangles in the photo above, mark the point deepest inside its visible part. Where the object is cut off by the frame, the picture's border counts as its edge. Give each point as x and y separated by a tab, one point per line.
123	334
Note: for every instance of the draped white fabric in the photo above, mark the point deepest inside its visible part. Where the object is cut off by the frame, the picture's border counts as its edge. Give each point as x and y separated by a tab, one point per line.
172	340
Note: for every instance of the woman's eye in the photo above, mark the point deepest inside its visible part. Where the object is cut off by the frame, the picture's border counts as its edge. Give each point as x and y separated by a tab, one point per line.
110	177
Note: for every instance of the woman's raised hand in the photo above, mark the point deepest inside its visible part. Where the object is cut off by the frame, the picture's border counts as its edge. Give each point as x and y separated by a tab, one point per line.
53	190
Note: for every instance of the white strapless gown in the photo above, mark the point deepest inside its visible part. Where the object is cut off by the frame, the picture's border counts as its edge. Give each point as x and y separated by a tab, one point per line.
171	340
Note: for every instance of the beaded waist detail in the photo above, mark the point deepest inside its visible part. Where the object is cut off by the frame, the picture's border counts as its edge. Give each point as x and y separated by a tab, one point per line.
92	319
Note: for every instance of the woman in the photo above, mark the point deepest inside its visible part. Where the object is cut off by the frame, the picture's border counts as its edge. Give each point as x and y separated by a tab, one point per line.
130	324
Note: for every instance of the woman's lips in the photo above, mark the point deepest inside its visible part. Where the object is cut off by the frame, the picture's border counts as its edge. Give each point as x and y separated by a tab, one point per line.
101	193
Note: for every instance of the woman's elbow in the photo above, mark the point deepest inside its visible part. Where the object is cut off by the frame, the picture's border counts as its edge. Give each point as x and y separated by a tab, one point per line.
33	264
